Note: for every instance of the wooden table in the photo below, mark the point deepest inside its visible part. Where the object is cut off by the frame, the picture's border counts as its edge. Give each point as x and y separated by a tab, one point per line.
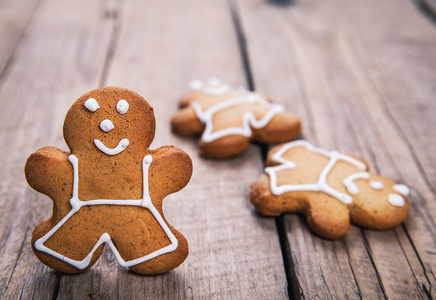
360	74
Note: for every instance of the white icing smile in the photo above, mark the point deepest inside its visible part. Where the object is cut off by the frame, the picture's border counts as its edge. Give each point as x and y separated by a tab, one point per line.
112	151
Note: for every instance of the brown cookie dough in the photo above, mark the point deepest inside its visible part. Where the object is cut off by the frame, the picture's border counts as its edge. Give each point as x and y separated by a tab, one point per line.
329	188
109	188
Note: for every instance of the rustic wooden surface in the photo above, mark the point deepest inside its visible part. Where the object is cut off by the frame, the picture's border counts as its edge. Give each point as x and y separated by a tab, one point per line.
360	74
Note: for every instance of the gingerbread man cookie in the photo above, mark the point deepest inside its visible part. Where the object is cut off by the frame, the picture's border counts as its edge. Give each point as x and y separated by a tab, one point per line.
329	188
228	119
108	189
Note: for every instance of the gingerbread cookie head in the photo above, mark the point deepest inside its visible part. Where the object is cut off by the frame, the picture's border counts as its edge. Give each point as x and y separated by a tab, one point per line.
110	129
228	119
97	116
108	190
330	189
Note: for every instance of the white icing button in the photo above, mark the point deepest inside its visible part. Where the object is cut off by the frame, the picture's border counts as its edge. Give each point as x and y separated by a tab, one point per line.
106	125
91	105
196	85
376	185
402	189
122	106
396	200
214	81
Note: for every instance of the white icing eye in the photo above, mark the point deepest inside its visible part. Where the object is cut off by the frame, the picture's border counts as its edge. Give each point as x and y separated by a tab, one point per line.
402	189
196	85
122	106
396	200
106	125
91	105
376	185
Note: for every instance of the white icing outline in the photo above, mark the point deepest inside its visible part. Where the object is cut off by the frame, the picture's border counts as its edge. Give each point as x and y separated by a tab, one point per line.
122	145
248	118
76	204
321	185
91	104
348	182
106	125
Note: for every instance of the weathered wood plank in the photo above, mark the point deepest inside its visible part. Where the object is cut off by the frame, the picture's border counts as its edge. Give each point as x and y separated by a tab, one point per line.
332	57
58	59
159	47
14	18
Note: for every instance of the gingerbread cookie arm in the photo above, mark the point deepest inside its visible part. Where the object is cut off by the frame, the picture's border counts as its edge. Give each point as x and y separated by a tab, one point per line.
49	172
186	123
171	170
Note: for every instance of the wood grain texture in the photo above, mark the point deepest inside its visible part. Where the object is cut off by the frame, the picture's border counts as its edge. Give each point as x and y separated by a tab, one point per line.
361	75
355	69
15	16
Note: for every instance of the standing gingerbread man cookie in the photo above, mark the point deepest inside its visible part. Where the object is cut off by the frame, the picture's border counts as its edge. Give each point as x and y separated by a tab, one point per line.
109	188
329	188
228	119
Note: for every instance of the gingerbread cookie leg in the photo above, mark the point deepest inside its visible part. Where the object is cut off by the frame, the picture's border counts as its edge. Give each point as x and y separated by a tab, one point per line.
45	254
323	214
167	260
326	218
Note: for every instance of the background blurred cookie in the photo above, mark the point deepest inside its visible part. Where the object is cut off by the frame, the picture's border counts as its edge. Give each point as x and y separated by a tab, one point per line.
227	119
329	188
